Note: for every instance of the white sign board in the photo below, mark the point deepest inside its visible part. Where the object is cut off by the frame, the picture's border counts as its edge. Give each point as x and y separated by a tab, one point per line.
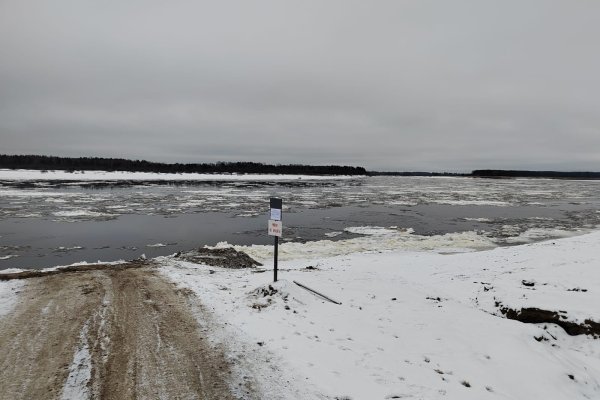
275	228
275	214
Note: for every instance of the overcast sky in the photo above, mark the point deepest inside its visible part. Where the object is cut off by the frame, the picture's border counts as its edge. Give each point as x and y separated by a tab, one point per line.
390	85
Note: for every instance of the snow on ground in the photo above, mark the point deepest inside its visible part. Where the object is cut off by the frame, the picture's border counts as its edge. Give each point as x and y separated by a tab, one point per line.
80	370
8	295
537	234
28	175
412	324
57	267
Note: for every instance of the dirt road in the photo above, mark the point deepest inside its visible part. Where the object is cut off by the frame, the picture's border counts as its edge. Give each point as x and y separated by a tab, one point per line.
111	333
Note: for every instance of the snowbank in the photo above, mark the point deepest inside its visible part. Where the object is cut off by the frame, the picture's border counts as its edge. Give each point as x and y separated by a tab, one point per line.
374	239
9	295
29	175
412	324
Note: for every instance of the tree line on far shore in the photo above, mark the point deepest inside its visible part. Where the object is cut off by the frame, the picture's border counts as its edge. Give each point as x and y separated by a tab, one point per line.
416	173
499	173
48	163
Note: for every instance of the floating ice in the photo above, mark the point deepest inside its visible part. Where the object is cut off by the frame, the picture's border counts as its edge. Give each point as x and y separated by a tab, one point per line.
473	203
63	249
33	193
81	213
370	230
333	234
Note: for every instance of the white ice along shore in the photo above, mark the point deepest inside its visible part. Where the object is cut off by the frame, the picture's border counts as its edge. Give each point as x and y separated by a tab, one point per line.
35	175
412	324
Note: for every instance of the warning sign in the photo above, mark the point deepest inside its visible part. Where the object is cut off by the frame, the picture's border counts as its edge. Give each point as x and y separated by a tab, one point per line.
275	228
275	214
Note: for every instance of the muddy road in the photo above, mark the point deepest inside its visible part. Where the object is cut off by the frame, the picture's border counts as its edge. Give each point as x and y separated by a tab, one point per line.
108	333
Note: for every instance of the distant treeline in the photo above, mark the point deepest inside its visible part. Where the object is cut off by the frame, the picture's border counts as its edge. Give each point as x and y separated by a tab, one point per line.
377	173
499	173
118	164
49	163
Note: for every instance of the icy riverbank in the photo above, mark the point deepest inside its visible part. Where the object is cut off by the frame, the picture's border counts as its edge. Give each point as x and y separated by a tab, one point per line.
410	324
413	324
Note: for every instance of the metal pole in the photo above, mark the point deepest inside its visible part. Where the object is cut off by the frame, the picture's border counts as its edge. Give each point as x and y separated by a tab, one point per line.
276	246
317	293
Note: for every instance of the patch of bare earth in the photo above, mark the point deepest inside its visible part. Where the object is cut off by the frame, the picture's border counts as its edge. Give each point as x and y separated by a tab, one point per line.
107	333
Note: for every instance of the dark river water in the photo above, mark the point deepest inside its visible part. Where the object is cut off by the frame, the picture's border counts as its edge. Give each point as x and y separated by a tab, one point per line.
44	224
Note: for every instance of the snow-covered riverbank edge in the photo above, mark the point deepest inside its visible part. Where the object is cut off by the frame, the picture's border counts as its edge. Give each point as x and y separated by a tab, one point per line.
412	324
37	175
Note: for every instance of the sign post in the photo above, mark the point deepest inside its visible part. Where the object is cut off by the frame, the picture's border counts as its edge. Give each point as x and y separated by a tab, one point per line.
275	228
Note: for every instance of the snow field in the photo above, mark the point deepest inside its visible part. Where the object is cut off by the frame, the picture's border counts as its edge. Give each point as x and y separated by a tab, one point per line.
9	291
80	370
28	175
412	324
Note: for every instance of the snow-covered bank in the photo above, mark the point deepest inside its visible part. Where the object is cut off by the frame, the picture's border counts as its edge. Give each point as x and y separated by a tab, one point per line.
374	239
35	175
58	267
413	324
378	239
9	292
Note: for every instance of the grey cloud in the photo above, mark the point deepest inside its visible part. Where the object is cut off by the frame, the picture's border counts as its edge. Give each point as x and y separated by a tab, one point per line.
411	85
